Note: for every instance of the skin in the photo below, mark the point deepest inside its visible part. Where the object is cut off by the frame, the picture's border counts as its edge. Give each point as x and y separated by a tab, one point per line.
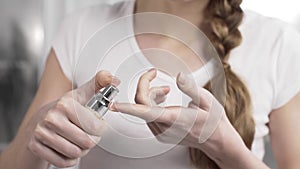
283	121
53	103
224	146
57	128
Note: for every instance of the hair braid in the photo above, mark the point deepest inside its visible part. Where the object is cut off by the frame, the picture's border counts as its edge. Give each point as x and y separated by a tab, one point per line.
224	18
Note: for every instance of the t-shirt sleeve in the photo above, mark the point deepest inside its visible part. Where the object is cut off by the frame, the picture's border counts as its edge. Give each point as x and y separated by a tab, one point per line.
64	44
287	78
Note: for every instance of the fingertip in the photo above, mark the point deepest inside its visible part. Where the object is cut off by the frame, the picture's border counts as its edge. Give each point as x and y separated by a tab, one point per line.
153	72
166	89
181	79
113	107
103	73
102	79
115	81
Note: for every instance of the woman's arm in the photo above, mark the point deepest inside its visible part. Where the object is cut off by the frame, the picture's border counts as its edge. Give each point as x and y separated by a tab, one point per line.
285	134
186	125
52	86
58	129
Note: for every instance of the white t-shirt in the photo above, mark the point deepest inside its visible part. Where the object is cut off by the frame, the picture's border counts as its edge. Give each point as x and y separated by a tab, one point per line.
268	61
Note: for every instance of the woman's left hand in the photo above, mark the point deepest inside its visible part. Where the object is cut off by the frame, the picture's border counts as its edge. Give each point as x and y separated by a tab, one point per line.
203	124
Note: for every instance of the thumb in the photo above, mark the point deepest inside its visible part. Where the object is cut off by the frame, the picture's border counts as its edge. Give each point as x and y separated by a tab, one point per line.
101	80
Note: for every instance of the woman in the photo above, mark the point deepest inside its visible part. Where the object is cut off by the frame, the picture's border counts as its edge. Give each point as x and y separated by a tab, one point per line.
58	129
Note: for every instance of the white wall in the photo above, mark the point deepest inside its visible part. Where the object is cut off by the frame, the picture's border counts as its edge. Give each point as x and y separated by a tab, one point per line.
55	10
286	10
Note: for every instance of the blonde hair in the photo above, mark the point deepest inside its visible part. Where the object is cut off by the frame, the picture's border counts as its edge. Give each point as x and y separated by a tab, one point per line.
224	18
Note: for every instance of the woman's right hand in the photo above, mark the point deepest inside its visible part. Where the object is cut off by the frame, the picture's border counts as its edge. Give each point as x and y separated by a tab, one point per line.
65	130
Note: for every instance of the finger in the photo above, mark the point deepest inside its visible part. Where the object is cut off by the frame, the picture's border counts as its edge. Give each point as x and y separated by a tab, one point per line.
193	106
57	142
154	128
158	94
48	154
182	116
162	127
149	114
82	117
86	91
159	100
142	92
73	133
200	97
167	115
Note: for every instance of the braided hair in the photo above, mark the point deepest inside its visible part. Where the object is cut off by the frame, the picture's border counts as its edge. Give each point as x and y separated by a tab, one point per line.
224	17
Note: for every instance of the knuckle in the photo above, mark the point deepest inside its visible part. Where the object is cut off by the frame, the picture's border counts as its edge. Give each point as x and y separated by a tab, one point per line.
50	120
75	152
96	127
39	133
88	143
62	163
32	146
62	104
42	135
172	117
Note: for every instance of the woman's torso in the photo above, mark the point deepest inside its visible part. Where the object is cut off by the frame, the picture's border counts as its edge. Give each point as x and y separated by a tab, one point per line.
129	142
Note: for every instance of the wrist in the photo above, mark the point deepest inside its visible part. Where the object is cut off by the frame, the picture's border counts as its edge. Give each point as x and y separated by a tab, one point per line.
226	149
245	159
17	152
234	157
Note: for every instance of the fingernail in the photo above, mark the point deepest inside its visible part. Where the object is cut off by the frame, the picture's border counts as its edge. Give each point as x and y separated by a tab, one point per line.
115	81
166	89
152	70
112	107
182	78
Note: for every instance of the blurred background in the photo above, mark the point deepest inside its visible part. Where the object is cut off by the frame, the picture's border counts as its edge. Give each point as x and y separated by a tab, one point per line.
26	30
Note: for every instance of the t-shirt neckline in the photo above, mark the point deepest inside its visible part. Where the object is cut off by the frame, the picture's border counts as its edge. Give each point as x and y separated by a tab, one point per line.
197	74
